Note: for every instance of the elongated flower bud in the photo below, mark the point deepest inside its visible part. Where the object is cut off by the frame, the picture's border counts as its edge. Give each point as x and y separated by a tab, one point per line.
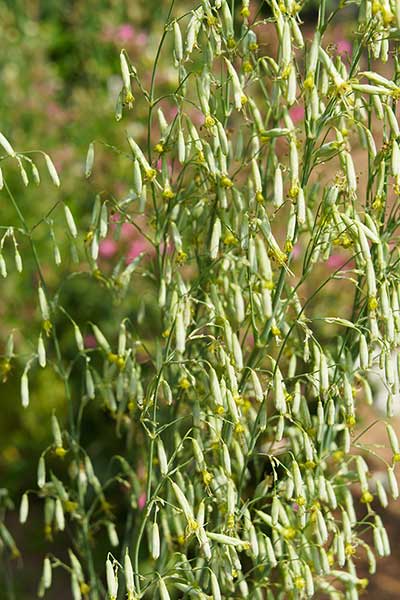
70	221
25	389
24	509
52	170
155	541
112	580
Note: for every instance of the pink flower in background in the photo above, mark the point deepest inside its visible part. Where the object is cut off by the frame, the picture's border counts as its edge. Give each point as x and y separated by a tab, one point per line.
296	250
125	32
297	113
343	47
250	340
141	39
90	341
136	248
171	112
335	261
142	501
127	231
107	248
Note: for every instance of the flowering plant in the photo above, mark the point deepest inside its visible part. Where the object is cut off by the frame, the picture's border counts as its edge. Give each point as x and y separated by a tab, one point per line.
242	454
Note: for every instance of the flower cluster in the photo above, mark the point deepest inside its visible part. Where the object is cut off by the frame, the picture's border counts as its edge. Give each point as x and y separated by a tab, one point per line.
249	454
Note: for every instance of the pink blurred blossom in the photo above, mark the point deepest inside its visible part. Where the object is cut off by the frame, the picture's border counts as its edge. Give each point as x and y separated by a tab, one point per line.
343	47
127	231
125	32
297	113
142	501
296	250
107	248
136	247
250	340
141	39
90	341
335	261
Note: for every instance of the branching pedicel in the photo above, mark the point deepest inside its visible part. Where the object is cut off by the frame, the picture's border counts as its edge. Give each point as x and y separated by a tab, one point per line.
247	406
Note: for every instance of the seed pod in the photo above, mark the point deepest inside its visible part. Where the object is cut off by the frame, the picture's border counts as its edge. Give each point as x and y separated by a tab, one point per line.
90	389
155	541
178	45
301	207
138	154
24	509
364	353
52	170
278	188
286	47
385	541
378	543
280	428
258	391
215	388
215	589
101	340
89	160
75	587
238	94
112	580
162	457
55	428
25	389
3	266
381	492
137	178
395	159
298	481
70	221
126	77
129	574
164	595
322	528
44	307
256	176
59	515
393	485
180	333
279	391
47	573
215	239
6	145
112	534
41	352
182	501
394	443
41	472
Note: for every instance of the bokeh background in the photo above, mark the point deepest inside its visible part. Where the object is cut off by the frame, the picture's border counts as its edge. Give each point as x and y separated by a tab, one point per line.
60	78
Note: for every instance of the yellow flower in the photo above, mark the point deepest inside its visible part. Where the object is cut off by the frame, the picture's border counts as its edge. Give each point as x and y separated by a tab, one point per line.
159	148
60	451
209	122
85	588
372	303
289	533
226	182
207	477
184	383
366	497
